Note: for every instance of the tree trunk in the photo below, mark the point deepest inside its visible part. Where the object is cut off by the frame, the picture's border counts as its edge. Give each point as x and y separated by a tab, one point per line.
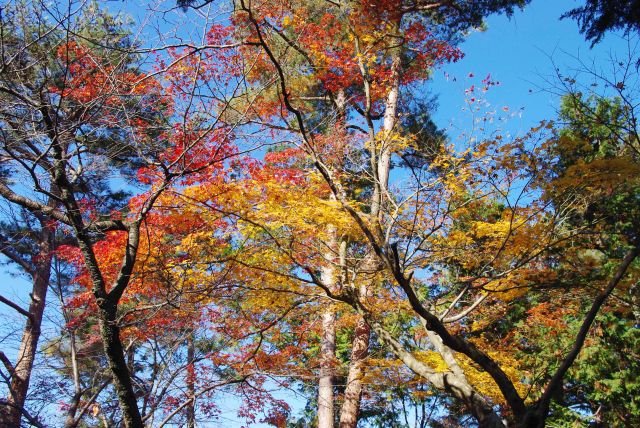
29	344
191	386
327	358
329	278
70	421
535	418
108	308
328	341
353	391
360	349
112	345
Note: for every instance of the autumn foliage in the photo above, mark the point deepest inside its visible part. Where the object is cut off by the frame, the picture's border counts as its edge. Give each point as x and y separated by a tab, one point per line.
271	209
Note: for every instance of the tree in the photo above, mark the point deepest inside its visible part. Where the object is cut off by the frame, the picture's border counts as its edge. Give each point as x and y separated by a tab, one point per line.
348	75
601	132
30	239
74	109
363	256
597	17
473	224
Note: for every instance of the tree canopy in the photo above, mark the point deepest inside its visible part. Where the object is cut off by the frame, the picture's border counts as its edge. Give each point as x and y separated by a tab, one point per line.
263	201
597	17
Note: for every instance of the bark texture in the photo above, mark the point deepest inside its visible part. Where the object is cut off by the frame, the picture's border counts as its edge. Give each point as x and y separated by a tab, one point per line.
191	382
325	383
12	413
113	349
353	391
328	340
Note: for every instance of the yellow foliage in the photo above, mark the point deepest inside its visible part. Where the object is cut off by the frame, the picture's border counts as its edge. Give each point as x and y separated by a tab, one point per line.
483	382
598	175
393	141
433	360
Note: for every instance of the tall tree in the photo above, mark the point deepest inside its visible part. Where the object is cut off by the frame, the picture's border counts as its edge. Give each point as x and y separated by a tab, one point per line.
76	109
475	225
29	239
371	82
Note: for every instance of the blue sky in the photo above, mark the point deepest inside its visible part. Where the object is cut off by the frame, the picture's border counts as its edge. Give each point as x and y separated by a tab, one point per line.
517	52
520	53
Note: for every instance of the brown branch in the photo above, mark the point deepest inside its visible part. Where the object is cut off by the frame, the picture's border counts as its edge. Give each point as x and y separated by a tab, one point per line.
32	420
460	345
16	307
55	214
556	380
281	78
7	364
12	255
91	400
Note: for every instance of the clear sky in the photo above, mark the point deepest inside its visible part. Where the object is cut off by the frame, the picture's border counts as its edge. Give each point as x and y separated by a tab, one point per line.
517	52
521	53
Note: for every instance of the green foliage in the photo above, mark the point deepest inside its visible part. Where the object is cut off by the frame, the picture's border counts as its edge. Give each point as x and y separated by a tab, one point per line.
603	386
597	17
601	129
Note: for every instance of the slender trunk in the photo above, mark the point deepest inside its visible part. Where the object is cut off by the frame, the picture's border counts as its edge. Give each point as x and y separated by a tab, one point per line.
328	341
360	349
329	278
390	119
112	345
70	420
327	358
388	126
29	344
353	391
191	385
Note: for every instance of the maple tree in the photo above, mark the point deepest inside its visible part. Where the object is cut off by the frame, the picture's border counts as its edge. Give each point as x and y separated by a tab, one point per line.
97	114
293	217
29	239
481	232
